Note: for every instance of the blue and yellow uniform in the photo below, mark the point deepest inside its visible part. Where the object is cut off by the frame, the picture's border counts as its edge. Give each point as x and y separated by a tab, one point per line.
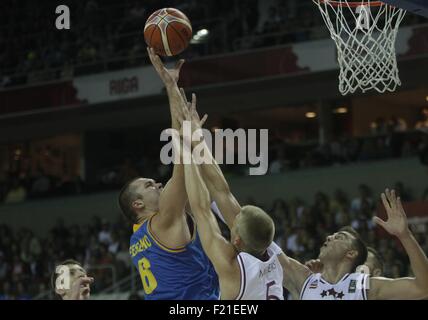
184	273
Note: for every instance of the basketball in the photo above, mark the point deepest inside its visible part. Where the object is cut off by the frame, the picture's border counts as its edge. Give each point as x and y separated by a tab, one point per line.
168	31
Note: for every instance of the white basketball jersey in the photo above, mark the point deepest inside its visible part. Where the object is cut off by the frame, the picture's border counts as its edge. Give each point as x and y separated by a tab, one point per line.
352	286
261	280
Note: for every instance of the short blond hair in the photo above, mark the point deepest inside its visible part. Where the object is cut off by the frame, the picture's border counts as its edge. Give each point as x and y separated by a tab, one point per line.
256	229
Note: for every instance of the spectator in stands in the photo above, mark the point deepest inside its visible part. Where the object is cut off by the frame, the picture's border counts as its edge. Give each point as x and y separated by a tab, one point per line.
303	30
67	71
364	197
279	164
271	25
295	241
138	12
104	236
423	120
379	126
340	206
41	185
425	195
368	150
401	191
69	184
18	268
127	171
397	124
59	230
123	254
16	193
4	81
423	150
135	296
6	293
21	292
337	152
79	283
303	229
113	247
3	267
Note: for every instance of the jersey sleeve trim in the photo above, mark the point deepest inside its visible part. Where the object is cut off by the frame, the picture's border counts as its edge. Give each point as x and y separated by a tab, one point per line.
305	284
275	248
364	286
243	278
164	247
135	227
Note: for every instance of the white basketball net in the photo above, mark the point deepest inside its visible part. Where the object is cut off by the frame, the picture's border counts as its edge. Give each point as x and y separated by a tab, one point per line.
365	39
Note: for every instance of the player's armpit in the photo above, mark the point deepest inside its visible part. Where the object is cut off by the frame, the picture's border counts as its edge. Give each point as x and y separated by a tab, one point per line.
227	205
396	289
295	274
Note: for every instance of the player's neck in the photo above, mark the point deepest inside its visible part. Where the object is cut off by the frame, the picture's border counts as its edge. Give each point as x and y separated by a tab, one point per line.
144	216
333	272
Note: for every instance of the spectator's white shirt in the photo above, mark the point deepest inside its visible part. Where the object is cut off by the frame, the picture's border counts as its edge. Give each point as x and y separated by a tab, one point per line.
292	244
3	270
104	237
356	204
114	247
124	257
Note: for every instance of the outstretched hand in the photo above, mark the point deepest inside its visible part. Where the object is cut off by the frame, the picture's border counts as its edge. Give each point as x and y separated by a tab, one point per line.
396	224
314	265
81	288
190	113
168	76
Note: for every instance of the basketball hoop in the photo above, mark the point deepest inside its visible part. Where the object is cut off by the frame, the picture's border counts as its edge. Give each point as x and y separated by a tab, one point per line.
364	32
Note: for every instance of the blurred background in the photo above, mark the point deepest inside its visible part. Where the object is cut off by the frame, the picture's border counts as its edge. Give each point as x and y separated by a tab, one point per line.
81	111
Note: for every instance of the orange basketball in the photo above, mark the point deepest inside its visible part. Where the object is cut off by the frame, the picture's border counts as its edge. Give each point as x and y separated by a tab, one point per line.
168	31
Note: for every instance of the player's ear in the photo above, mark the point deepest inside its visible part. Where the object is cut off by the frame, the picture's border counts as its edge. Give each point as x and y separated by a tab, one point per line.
352	254
237	241
138	204
376	273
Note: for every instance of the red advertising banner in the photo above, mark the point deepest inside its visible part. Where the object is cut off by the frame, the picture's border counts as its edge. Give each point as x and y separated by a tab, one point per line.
38	97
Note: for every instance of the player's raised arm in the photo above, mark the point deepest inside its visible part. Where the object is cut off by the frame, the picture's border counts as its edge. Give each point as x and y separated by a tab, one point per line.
170	78
211	173
295	274
218	249
173	198
401	288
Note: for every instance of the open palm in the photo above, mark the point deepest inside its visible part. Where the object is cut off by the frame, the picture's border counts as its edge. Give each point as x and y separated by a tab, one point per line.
396	224
192	114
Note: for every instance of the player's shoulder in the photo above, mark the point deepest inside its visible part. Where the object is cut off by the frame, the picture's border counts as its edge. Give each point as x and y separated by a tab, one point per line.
138	230
274	249
357	276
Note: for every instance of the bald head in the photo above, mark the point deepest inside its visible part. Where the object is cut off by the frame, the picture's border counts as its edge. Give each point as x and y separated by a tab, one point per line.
256	229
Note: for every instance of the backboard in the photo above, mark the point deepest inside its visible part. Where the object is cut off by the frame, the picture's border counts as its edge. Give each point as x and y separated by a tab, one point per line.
414	6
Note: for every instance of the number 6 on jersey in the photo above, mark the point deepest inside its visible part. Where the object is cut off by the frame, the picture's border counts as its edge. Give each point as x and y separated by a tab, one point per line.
147	277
